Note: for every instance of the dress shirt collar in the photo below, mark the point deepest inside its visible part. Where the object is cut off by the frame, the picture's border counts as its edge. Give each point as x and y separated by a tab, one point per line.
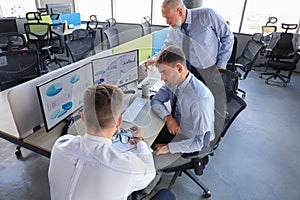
188	19
181	87
97	139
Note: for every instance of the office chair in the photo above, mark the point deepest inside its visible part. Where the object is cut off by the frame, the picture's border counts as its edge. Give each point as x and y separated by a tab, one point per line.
57	44
288	27
17	67
282	55
92	26
244	63
33	16
38	36
43	11
112	36
12	41
81	45
269	28
198	160
146	25
232	65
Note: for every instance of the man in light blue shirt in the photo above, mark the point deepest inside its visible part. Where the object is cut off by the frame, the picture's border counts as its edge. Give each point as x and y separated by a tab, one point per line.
211	40
190	118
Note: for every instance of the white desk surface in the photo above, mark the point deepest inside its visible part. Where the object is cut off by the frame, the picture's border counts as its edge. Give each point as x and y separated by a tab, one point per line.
146	119
41	139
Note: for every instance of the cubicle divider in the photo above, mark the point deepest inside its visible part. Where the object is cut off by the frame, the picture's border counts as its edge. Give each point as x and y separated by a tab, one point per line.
24	103
147	45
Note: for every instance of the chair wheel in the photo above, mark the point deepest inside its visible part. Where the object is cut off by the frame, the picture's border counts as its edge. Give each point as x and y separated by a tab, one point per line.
243	96
266	82
18	152
284	85
207	194
260	76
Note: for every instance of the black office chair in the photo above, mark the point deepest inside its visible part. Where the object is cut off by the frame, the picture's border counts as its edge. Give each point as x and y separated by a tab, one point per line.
12	41
268	29
57	43
38	36
232	65
92	26
146	25
81	45
18	66
33	16
198	160
282	55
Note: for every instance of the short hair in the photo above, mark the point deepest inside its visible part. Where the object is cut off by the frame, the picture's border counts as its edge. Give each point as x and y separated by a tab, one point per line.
173	3
171	55
102	106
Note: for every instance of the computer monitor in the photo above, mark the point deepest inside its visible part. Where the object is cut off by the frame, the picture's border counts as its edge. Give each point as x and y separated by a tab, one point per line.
63	95
118	69
8	25
58	8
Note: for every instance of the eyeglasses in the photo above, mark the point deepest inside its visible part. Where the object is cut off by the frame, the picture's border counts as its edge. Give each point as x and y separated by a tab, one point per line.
124	136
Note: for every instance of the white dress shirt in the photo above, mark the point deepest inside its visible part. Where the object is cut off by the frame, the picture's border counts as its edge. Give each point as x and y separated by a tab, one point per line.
211	39
89	167
194	112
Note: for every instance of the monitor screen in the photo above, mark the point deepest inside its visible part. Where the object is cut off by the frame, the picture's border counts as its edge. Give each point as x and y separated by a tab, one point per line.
8	25
118	69
63	95
58	8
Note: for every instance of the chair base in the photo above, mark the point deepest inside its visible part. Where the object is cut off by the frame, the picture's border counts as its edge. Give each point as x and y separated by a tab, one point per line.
274	75
206	192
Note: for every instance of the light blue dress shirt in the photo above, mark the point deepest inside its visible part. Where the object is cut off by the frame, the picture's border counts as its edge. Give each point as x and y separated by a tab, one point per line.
194	111
206	29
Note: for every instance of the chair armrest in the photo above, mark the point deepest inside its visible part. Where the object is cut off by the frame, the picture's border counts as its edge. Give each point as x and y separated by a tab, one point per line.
205	151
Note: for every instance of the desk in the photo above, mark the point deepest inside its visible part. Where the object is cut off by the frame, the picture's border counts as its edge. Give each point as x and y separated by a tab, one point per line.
40	141
146	119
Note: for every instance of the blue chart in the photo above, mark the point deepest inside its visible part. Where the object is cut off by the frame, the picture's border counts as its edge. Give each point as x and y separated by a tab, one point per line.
61	96
118	69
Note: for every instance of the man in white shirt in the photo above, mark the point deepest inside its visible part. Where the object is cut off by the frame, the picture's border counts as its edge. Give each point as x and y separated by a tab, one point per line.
89	166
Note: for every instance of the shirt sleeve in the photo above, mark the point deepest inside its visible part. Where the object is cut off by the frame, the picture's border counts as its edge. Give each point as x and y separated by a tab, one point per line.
158	102
203	120
225	35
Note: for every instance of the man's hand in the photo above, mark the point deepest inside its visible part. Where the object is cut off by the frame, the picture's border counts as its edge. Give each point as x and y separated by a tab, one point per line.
138	133
161	149
172	124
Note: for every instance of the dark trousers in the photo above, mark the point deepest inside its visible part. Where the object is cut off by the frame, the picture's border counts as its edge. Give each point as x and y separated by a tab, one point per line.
164	136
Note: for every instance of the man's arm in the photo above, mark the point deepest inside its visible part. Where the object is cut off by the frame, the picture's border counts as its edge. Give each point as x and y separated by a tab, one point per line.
226	37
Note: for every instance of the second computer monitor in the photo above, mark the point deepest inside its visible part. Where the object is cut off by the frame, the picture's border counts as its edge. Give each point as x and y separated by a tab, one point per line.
119	69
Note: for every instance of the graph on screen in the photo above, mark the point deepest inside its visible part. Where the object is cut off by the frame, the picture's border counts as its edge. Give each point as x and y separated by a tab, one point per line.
63	95
118	69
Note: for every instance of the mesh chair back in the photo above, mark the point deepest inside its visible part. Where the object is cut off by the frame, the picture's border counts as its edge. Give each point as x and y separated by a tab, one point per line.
80	48
17	67
250	52
234	105
12	41
79	33
146	25
112	36
38	35
57	38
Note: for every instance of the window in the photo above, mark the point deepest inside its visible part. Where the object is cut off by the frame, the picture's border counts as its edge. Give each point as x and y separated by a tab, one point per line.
86	8
131	11
17	8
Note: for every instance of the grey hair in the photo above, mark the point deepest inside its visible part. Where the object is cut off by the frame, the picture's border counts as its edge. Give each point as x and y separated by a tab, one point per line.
173	3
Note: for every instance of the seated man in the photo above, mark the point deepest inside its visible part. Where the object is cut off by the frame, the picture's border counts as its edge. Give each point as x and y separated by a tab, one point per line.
191	116
89	166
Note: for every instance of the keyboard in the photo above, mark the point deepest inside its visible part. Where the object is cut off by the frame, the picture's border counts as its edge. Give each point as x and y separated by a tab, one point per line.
134	109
